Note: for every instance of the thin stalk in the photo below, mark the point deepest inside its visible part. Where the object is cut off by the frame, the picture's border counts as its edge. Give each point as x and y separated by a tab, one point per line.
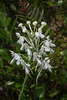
23	86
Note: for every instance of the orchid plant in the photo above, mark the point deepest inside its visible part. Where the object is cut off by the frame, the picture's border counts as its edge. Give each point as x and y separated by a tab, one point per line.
37	47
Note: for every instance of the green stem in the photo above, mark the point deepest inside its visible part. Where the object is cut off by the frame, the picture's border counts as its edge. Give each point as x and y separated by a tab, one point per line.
23	87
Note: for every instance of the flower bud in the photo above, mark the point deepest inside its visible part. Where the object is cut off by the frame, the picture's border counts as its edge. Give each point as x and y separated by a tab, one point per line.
43	23
35	23
20	25
28	22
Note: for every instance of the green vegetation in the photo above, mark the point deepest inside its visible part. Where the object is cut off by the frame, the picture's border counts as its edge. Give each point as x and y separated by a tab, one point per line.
14	84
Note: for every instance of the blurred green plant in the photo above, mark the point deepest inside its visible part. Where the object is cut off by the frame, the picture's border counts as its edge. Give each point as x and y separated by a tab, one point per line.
50	86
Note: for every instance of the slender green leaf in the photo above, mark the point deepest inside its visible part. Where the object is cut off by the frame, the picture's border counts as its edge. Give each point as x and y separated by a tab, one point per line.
13	25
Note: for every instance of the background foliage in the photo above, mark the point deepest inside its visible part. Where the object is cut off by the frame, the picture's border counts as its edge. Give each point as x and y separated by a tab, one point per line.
51	86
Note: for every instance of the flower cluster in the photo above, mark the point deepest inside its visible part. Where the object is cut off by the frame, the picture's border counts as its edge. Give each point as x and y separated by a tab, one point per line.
36	45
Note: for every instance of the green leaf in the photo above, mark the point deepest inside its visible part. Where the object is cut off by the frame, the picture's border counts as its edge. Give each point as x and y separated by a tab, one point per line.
33	85
13	7
64	73
53	92
14	23
2	7
2	20
4	53
1	73
65	56
17	85
3	34
8	22
51	3
1	63
65	52
64	98
39	91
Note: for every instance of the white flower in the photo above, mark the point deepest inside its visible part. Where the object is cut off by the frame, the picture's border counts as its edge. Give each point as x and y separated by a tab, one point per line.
36	57
18	34
20	25
43	24
21	40
12	61
16	57
42	36
38	61
35	47
40	30
28	22
27	70
27	49
29	53
24	29
12	53
26	67
37	34
45	64
42	51
35	54
25	46
48	44
35	23
48	49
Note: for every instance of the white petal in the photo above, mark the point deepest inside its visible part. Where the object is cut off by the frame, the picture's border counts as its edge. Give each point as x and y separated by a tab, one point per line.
51	50
27	71
12	53
52	45
17	57
29	52
21	40
35	56
46	58
47	49
20	25
50	70
18	35
39	71
37	34
49	66
22	61
48	37
24	29
43	65
28	65
39	61
12	61
40	30
44	53
22	47
47	43
18	62
42	36
26	46
46	65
